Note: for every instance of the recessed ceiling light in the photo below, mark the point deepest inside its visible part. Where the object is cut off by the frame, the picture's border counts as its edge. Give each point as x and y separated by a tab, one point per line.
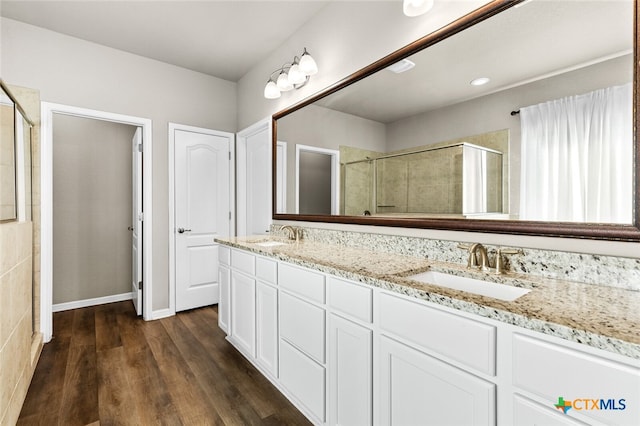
401	66
479	81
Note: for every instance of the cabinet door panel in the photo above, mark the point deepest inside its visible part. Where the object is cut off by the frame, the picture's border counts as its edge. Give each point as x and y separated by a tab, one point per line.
418	389
243	312
224	278
303	325
267	327
304	378
350	369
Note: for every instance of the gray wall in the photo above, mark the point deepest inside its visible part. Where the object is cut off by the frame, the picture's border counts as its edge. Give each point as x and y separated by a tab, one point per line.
91	208
71	71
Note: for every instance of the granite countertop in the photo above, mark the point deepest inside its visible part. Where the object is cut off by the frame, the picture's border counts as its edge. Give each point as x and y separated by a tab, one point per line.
603	317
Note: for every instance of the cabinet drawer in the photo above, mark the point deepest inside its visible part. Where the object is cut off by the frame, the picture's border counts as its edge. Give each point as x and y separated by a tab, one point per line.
244	262
302	281
550	371
224	255
446	334
303	325
350	299
529	413
304	379
266	270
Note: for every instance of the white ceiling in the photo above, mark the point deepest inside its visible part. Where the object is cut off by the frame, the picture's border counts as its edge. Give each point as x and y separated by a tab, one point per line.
224	39
524	44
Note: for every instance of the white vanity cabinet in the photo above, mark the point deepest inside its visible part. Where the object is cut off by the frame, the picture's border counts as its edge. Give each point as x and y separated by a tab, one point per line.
267	314
350	345
224	278
302	334
248	308
346	353
602	389
417	348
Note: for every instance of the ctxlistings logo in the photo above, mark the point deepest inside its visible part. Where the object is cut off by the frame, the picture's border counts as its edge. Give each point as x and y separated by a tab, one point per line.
590	404
563	405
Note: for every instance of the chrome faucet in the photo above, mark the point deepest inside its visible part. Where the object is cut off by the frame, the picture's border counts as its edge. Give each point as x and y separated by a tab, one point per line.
292	233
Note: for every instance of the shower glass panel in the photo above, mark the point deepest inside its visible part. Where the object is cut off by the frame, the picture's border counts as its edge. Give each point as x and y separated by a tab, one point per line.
460	179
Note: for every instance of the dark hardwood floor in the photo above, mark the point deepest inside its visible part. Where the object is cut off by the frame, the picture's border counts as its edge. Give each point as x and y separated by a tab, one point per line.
105	366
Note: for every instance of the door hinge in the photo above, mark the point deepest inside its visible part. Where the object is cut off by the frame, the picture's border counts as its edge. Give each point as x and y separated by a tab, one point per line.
229	155
141	216
140	147
139	285
229	215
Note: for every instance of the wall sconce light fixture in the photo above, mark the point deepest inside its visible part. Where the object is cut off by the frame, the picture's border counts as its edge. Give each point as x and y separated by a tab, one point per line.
416	7
292	75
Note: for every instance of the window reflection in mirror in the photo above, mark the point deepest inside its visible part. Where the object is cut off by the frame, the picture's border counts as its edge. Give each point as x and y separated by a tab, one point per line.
565	68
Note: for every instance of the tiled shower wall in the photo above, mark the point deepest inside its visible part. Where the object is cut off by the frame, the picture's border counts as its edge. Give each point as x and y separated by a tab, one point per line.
16	363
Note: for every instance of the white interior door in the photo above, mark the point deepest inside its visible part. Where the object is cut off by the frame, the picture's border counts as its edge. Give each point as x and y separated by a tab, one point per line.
258	183
254	178
202	212
281	177
136	221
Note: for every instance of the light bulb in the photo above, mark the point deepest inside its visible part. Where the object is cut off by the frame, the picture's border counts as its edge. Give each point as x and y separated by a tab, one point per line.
283	82
271	91
308	64
416	7
295	75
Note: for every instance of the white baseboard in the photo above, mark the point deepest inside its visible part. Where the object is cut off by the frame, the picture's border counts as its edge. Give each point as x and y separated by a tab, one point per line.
162	313
91	302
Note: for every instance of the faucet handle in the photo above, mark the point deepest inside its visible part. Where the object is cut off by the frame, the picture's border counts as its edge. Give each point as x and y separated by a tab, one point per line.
499	263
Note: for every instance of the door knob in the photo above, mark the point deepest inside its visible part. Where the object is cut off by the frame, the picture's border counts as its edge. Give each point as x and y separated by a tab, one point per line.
182	230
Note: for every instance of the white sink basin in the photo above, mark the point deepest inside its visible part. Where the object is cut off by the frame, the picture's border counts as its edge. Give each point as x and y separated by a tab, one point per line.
471	285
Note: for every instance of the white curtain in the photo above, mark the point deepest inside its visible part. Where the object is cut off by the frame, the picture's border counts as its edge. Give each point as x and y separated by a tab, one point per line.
577	158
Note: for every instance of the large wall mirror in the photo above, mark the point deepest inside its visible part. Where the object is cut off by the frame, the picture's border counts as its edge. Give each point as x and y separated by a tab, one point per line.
546	146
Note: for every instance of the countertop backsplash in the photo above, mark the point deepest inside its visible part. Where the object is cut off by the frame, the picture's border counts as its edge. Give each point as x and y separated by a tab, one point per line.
610	271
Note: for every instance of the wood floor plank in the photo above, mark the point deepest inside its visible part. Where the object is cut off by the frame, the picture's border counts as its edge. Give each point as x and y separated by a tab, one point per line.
222	393
106	366
48	378
189	398
115	401
79	405
261	394
83	329
106	326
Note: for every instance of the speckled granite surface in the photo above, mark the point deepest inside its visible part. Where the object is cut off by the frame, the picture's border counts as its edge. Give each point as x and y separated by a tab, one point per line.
603	317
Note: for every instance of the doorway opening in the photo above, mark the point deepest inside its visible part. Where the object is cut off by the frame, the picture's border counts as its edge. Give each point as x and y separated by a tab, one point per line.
144	192
317	180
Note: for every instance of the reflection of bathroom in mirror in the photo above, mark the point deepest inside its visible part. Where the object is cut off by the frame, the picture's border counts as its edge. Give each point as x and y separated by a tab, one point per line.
427	143
15	159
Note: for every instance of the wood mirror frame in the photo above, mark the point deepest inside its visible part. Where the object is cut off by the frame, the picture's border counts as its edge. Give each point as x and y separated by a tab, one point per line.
620	232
